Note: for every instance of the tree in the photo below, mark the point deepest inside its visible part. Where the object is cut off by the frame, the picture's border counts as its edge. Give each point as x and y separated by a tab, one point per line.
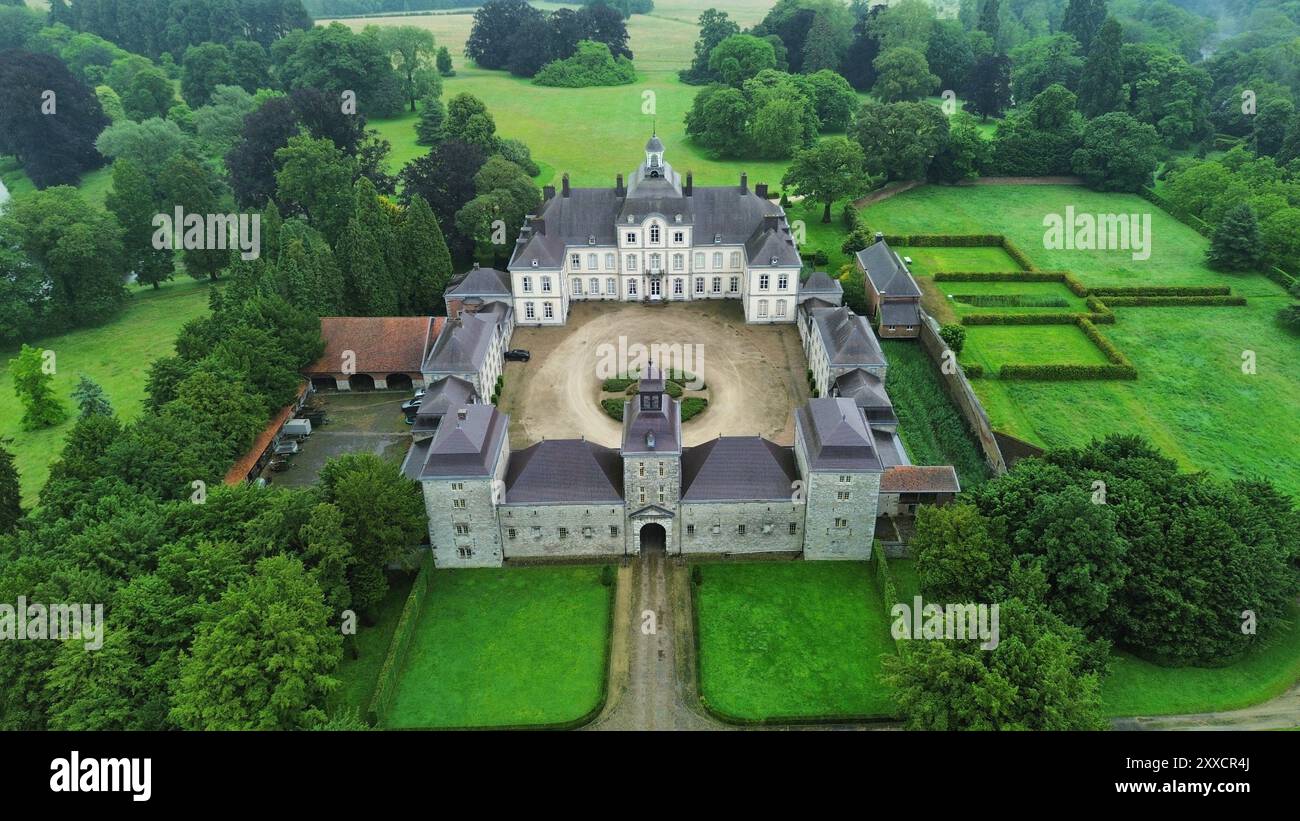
899	140
469	121
1039	139
192	185
147	145
133	201
990	21
1235	245
963	155
251	164
990	86
342	64
820	50
829	171
149	95
363	250
445	179
412	50
90	399
1101	86
427	259
328	556
264	657
1279	234
902	74
315	179
11	501
432	127
950	54
220	123
203	68
55	146
1038	63
715	26
443	61
32	385
834	100
954	336
957	558
1083	18
740	57
495	25
719	119
1118	153
864	47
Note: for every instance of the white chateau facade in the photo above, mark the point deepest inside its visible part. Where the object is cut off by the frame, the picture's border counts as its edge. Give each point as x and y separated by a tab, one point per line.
656	238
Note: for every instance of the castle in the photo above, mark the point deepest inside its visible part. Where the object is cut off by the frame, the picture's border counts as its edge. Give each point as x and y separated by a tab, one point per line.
659	239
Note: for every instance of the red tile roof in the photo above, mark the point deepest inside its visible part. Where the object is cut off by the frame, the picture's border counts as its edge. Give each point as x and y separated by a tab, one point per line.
381	344
240	470
919	479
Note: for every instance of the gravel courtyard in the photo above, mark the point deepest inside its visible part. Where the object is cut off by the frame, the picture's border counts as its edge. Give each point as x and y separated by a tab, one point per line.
756	374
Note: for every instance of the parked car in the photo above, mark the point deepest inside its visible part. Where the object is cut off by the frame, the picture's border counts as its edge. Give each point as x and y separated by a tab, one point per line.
280	463
518	355
286	447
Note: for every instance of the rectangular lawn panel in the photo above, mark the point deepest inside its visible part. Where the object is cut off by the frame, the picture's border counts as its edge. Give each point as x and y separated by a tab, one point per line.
928	261
792	640
506	647
1191	397
996	345
1136	687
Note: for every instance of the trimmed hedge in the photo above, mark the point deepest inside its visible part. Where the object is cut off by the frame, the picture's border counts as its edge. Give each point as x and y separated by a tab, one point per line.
885	582
613	408
1019	319
1163	290
1067	373
1064	277
1019	256
1011	301
693	406
946	240
1172	301
973	370
386	686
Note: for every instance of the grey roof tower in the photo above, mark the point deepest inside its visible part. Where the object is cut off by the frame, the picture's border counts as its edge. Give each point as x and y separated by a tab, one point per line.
652	420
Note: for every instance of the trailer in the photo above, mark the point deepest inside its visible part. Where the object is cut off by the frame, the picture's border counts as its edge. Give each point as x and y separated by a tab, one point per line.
297	427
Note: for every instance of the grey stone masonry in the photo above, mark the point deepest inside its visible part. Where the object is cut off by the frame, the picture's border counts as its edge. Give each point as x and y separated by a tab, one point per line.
561	531
742	527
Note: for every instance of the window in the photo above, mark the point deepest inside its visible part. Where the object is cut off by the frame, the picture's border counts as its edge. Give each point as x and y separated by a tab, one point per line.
699	261
631	287
782	281
642	495
564	533
631	262
611	286
690	530
679	262
846	479
640	470
511	533
536	532
528	285
740	530
842	496
794	528
546	285
733	285
677	286
735	259
613	530
780	307
575	261
587	533
841	523
462	529
609	261
577	287
661	495
763	282
661	470
893	327
717	285
593	261
457	485
464	553
630	237
679	237
716	529
717	259
654	233
595	286
529	311
699	285
762	308
458	503
548	310
653	262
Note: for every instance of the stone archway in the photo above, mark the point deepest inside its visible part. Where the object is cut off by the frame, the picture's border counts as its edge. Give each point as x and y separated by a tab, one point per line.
399	382
652	536
361	382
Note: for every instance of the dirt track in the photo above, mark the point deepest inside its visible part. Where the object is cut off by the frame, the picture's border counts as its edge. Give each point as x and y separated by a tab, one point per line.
756	374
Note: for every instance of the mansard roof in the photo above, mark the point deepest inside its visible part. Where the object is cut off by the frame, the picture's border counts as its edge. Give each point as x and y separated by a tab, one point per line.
820	282
480	282
652	431
463	345
738	468
847	338
462	447
558	471
886	271
836	436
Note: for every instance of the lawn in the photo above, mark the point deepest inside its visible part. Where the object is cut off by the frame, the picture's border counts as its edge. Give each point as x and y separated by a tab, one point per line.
116	355
506	647
1191	398
792	640
906	583
996	345
928	261
358	676
1137	687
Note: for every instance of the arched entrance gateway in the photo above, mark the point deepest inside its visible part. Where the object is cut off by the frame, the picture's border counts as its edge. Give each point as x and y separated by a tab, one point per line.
653	537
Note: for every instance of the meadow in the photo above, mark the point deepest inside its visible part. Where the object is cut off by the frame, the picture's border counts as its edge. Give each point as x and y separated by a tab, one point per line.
116	354
1193	397
506	647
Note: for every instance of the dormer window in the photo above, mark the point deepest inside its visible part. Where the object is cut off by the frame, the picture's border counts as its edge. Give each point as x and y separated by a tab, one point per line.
717	238
774	260
591	239
677	217
534	263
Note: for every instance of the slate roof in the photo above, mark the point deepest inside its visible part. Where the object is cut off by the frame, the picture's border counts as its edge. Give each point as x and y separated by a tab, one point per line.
847	338
446	395
480	282
462	447
865	389
464	343
665	424
836	436
738	468
559	471
820	282
381	344
813	303
920	479
899	313
886	271
889	448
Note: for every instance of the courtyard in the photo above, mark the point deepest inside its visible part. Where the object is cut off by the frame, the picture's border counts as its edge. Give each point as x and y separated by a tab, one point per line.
756	374
369	422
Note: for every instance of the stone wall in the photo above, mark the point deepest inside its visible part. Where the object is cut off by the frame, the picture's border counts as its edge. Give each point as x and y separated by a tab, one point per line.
962	394
824	536
561	531
717	527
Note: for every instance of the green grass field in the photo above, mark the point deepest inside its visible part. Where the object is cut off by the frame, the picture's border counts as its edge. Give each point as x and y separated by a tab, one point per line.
116	355
1137	687
928	261
797	639
358	676
506	647
996	345
1191	398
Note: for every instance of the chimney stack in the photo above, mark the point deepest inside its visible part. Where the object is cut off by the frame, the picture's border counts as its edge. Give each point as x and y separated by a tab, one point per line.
564	184
548	192
690	184
619	190
744	183
880	236
761	190
538	224
461	415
